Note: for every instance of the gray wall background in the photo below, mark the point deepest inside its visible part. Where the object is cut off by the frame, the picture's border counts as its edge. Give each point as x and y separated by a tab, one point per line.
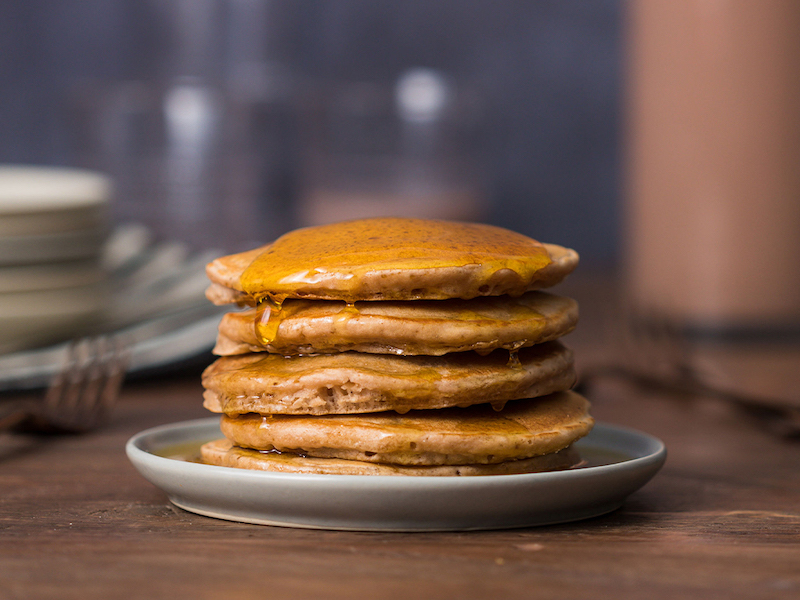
550	72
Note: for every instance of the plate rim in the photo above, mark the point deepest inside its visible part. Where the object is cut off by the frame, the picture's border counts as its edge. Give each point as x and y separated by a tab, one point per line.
134	442
633	473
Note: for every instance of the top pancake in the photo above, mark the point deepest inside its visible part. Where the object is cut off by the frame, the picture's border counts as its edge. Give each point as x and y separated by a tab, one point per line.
390	259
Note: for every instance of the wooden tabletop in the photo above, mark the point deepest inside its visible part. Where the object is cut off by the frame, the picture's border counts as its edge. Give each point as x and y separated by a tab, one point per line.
721	520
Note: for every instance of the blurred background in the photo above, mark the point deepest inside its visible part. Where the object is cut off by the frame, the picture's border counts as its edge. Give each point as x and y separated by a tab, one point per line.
215	117
660	139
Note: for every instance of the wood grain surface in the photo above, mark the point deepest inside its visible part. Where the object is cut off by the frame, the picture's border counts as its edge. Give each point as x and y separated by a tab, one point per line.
721	520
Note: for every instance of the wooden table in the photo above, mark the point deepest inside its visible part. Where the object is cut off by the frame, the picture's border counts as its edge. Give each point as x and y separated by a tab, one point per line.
721	520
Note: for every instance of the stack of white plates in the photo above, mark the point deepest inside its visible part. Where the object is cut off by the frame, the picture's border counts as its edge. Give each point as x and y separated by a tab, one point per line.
53	226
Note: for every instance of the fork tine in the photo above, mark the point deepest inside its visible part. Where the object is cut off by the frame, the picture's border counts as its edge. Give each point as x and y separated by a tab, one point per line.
116	367
87	385
66	406
56	400
112	364
55	391
63	393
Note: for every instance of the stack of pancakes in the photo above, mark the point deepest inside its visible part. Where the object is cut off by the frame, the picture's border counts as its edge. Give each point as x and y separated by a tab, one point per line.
395	347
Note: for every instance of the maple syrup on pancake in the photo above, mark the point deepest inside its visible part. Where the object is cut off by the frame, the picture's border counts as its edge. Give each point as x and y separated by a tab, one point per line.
270	315
343	254
336	259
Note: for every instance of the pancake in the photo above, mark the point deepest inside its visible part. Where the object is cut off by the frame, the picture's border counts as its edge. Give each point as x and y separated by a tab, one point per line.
395	346
352	382
390	259
225	454
449	436
433	327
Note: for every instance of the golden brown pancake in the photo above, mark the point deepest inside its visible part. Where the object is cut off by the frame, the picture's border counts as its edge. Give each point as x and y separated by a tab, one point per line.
225	454
352	382
390	259
391	347
432	327
449	436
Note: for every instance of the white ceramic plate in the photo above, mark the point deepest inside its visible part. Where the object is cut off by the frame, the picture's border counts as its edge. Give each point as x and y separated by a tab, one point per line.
45	248
27	189
620	462
51	213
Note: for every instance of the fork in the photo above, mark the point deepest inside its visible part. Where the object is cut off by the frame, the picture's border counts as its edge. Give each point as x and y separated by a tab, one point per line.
655	353
81	393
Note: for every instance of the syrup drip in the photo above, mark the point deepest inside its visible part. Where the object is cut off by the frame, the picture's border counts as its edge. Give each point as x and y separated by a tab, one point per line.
268	319
513	359
348	312
271	313
498	406
286	453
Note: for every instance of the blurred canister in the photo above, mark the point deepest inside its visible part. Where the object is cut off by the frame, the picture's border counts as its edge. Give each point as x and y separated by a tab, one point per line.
713	210
407	148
